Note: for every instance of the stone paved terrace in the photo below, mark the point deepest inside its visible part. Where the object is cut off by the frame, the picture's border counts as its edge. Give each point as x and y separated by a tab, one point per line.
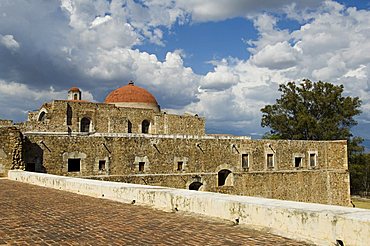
33	215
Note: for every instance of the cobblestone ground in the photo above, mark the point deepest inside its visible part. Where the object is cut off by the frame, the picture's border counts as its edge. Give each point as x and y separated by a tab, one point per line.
32	215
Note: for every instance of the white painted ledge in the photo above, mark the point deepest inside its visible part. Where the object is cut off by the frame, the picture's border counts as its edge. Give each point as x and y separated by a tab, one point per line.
314	223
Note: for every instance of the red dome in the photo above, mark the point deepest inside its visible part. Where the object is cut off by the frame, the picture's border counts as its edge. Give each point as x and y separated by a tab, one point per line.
74	89
131	94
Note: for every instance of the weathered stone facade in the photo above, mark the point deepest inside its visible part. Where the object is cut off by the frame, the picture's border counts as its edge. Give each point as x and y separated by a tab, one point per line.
144	146
66	116
11	147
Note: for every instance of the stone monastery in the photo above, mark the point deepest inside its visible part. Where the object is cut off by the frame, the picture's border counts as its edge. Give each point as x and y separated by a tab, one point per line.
129	139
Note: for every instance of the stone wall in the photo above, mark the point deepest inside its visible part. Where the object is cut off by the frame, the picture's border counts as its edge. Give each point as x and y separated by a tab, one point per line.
6	122
11	156
66	116
215	162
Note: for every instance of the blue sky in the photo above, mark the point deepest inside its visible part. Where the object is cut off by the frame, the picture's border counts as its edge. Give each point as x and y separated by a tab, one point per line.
222	59
204	42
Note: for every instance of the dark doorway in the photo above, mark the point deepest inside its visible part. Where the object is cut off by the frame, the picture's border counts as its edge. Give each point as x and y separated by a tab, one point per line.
195	186
85	124
145	126
30	167
42	116
222	176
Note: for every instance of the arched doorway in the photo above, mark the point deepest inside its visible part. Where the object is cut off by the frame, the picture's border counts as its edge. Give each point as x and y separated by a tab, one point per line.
85	124
225	177
195	185
145	126
42	116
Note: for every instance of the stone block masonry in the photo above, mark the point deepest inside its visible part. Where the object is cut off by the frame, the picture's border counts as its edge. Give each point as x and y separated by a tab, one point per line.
11	149
233	165
314	223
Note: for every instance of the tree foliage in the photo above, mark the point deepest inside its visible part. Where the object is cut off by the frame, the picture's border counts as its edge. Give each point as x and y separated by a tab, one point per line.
311	111
359	170
319	111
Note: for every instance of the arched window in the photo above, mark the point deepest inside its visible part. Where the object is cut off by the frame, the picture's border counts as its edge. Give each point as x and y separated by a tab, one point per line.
69	115
75	97
195	186
225	178
129	127
85	124
145	126
42	116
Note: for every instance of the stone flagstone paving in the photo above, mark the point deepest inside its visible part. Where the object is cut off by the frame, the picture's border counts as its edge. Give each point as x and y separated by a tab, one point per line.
33	215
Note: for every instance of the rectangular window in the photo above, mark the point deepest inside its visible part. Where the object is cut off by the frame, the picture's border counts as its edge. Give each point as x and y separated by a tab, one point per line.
141	166
102	165
180	165
270	160
245	161
74	165
312	160
297	161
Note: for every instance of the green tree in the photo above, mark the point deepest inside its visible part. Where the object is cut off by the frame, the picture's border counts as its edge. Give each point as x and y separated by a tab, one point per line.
319	111
359	170
311	111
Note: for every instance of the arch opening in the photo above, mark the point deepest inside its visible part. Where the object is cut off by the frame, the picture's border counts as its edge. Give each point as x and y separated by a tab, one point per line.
145	126
225	177
42	116
195	185
85	124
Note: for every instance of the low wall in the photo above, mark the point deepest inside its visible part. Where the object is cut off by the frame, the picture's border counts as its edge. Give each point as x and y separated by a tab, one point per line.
315	223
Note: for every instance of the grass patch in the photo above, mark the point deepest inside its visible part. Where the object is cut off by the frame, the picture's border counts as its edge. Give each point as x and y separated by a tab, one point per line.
361	203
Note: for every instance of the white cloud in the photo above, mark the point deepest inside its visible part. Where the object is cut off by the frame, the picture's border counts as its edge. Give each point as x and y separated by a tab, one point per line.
169	80
100	20
13	96
278	56
358	73
9	42
220	79
91	42
216	10
331	45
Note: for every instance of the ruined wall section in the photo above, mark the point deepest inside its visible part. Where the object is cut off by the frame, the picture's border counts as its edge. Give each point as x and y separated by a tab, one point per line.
11	148
66	116
183	124
6	123
187	158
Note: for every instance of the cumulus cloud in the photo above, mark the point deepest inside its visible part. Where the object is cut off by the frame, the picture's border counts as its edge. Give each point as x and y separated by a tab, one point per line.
278	56
216	10
17	94
330	45
93	44
220	79
9	42
100	20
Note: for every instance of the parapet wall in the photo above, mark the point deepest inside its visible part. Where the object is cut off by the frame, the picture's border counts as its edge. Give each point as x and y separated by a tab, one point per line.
314	223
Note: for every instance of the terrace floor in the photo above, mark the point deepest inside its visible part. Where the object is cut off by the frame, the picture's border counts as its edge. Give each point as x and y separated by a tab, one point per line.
33	215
